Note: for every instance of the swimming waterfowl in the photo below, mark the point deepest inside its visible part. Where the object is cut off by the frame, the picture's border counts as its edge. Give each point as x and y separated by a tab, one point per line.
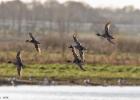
18	63
107	34
35	42
76	60
79	47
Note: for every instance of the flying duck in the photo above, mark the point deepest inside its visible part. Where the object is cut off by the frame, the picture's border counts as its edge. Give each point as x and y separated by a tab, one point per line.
18	63
76	60
34	42
79	46
107	34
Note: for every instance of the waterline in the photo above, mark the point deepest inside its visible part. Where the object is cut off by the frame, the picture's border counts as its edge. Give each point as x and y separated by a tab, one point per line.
70	93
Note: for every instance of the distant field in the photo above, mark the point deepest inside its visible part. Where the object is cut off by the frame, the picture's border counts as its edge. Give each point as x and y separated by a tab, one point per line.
105	63
69	73
52	57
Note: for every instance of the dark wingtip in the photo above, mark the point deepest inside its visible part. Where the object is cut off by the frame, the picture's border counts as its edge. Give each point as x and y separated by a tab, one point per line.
68	61
27	41
70	46
9	61
98	34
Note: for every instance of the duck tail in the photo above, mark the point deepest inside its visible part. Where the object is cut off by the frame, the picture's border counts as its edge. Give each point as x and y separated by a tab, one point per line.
39	50
98	34
9	61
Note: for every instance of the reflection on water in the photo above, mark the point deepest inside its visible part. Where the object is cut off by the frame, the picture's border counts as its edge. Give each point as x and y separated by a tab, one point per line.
69	93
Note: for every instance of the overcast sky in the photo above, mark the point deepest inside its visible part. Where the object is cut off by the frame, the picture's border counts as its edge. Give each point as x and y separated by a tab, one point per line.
102	3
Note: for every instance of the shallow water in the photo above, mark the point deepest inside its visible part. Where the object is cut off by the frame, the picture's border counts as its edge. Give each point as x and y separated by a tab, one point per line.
69	93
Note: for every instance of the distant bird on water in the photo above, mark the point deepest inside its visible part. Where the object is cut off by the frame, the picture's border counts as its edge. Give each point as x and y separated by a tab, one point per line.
34	42
76	60
18	63
107	34
79	47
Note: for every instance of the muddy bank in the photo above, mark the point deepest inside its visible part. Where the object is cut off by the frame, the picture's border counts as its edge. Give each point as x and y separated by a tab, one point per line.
93	82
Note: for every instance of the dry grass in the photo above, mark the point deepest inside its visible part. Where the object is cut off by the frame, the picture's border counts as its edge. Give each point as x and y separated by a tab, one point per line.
55	50
114	58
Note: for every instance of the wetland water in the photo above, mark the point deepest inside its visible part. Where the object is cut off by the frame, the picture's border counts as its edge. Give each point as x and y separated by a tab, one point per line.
69	93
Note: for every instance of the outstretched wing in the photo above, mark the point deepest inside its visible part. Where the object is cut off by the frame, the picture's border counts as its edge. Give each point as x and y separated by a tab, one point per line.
74	53
30	34
18	58
107	28
81	53
75	39
18	54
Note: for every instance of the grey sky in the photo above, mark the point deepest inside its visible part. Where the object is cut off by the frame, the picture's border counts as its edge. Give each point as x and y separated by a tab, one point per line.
102	3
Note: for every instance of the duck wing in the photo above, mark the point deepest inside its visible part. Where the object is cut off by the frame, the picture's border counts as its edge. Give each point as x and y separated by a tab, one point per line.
18	59
32	37
82	56
75	39
74	53
37	48
107	28
18	54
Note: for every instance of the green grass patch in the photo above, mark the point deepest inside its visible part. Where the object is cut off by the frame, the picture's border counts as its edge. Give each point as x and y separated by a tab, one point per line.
71	71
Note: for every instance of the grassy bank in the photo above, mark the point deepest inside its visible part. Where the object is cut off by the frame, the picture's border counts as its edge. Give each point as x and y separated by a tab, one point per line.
115	58
71	74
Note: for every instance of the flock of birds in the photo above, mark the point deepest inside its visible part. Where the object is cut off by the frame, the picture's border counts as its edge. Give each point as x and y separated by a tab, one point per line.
79	59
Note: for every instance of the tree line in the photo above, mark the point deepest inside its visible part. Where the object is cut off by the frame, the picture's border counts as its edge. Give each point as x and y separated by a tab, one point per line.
52	16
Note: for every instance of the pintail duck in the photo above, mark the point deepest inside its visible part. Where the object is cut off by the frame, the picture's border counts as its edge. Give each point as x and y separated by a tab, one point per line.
76	60
35	42
79	47
107	34
18	63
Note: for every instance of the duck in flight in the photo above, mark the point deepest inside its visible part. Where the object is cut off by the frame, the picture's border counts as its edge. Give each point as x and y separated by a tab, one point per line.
18	63
34	42
76	60
107	34
79	46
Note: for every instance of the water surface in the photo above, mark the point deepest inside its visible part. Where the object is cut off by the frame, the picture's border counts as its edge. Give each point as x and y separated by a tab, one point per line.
69	93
